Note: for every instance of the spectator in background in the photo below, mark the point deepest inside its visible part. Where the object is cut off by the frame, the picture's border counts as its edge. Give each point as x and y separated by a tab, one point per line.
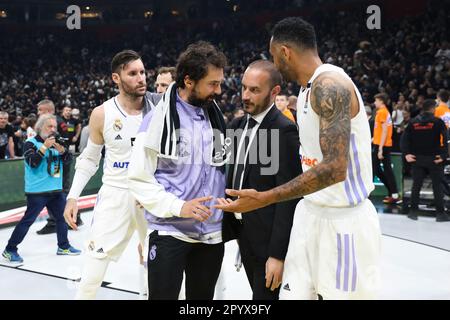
69	128
84	137
281	102
20	137
166	76
31	121
401	129
370	118
424	144
238	112
45	106
18	142
76	116
293	106
6	137
382	145
43	187
397	119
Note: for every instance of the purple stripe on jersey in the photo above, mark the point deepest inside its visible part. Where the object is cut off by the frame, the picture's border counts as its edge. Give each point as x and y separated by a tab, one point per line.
145	122
352	181
358	167
354	272
347	191
339	255
346	261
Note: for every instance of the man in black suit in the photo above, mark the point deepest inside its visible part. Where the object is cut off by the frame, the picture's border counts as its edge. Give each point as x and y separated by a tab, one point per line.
262	134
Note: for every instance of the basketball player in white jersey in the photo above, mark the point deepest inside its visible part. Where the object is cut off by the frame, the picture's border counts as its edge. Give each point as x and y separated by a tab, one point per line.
334	246
116	214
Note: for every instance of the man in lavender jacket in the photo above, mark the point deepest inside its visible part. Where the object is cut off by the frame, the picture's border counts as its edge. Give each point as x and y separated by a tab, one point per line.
176	171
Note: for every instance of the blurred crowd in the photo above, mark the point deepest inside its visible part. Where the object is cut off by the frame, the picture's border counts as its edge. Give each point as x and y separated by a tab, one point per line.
408	59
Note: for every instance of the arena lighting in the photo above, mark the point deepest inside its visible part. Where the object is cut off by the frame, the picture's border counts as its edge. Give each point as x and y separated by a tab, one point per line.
60	16
87	8
3	14
91	15
148	14
175	12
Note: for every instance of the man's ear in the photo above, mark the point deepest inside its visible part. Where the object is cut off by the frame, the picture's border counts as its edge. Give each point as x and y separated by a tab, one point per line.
116	78
275	91
188	82
286	52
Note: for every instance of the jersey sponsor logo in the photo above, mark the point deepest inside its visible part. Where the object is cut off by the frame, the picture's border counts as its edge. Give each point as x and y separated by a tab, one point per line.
286	287
121	165
118	137
117	126
308	161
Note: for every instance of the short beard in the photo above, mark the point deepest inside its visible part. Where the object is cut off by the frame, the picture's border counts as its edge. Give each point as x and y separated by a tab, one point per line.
195	101
133	94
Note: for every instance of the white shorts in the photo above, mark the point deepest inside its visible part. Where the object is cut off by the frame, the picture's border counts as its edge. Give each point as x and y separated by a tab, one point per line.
333	252
116	217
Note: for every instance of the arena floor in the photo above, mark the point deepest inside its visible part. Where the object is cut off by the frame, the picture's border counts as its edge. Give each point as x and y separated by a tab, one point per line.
415	265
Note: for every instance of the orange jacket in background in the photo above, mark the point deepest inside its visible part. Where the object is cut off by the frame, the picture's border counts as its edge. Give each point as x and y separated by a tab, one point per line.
442	111
288	114
381	117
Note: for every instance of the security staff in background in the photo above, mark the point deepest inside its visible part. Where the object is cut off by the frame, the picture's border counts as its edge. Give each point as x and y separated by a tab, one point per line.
424	144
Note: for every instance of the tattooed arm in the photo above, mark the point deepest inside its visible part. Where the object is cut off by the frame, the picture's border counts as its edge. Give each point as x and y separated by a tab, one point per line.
331	97
331	100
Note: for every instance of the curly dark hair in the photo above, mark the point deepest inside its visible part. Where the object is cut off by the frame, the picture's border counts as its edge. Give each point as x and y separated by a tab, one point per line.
194	61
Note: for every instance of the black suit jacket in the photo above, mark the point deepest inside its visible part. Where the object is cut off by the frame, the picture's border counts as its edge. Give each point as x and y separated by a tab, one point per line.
267	229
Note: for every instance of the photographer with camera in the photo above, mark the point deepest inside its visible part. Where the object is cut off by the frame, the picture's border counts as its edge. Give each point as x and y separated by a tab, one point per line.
44	159
47	107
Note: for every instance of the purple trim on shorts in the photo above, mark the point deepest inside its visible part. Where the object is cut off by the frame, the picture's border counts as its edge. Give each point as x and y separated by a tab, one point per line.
338	270
346	261
354	265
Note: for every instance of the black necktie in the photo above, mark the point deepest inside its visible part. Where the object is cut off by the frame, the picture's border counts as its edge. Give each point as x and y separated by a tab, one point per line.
240	163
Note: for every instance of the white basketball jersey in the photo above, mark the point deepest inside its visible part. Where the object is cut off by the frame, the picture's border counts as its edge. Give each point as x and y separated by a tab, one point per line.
119	131
359	182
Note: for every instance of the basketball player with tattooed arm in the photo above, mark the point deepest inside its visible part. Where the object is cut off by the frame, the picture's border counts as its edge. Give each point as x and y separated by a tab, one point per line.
334	246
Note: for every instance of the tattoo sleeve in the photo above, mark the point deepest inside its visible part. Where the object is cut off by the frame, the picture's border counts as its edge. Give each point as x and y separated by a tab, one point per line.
331	100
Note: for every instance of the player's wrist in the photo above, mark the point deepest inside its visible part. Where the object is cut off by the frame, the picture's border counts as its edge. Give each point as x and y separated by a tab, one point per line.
268	197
